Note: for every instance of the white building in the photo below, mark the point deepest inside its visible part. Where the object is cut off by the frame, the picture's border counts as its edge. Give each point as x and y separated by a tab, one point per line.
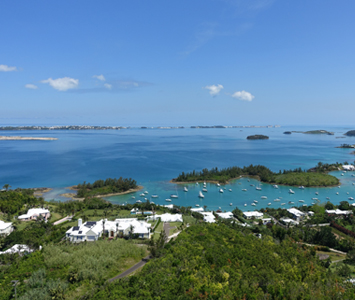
349	167
225	215
338	212
266	221
289	221
34	213
167	217
296	214
198	209
5	228
91	231
208	217
18	249
251	214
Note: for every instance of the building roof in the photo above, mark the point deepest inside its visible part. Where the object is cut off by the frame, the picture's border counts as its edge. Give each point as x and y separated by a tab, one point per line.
198	209
208	216
4	225
18	248
167	217
255	214
34	211
338	212
225	215
296	212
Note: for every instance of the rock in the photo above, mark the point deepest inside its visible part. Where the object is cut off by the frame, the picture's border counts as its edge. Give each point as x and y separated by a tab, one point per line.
257	137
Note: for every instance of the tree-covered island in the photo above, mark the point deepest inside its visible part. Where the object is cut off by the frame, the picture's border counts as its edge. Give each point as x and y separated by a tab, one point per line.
309	178
106	187
350	133
257	137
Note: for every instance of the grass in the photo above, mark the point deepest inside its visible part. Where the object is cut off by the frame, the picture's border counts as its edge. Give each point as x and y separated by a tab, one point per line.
189	220
341	234
333	255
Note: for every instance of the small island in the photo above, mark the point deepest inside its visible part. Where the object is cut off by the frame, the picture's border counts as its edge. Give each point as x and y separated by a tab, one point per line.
105	188
257	137
346	146
23	138
319	132
287	132
315	177
350	133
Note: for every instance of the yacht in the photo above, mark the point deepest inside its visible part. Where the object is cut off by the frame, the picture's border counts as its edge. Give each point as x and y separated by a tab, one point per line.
277	200
244	190
218	184
291	202
231	204
353	175
283	203
200	195
351	198
252	185
174	196
146	199
275	186
314	198
197	205
291	191
204	190
142	195
155	196
353	183
138	201
338	186
152	202
146	192
347	193
196	183
255	201
328	198
263	197
300	200
185	189
337	193
168	200
301	187
304	205
317	193
133	197
253	204
230	190
221	191
258	188
342	174
269	203
245	204
204	183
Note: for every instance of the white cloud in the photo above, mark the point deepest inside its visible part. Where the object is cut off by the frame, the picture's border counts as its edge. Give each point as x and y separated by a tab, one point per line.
62	84
99	77
214	89
31	86
108	86
5	68
243	95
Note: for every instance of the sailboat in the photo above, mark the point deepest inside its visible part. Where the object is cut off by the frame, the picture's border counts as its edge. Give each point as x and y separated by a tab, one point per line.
200	195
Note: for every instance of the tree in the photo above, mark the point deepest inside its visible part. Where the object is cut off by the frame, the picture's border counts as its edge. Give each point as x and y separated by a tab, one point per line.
6	186
344	205
131	229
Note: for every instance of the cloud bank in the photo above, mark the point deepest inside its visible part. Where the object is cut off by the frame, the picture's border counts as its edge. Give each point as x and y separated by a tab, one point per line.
243	95
214	89
5	68
31	86
99	77
62	84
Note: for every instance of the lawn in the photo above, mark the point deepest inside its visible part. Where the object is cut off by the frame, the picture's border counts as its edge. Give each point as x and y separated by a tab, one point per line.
333	255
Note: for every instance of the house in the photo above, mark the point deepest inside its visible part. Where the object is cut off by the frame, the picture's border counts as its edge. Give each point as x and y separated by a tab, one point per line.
198	209
251	214
266	221
289	221
349	167
92	230
225	215
208	216
167	217
34	213
5	228
18	249
338	212
296	214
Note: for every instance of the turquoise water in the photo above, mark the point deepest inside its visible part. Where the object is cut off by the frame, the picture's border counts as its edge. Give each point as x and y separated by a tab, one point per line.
153	157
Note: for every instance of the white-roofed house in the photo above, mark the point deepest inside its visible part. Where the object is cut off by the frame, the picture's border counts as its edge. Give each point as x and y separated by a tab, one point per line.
5	228
296	214
338	212
198	209
251	214
225	215
18	248
167	217
208	216
34	213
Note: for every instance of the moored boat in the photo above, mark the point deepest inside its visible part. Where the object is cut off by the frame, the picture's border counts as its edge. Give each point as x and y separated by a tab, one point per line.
200	195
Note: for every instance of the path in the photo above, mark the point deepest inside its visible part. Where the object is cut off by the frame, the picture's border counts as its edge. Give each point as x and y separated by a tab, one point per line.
62	220
132	269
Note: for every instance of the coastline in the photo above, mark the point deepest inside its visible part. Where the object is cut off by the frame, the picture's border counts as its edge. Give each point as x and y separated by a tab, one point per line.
73	188
21	138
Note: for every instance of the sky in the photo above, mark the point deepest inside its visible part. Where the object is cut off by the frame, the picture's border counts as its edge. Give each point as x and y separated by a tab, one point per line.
177	63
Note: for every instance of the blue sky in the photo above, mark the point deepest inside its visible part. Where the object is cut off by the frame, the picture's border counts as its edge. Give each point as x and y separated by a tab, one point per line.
199	62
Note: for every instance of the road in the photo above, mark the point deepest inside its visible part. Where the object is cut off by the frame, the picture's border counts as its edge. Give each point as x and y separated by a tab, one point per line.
132	269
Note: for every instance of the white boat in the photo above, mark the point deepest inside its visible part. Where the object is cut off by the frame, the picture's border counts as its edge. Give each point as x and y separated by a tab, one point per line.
283	203
304	205
230	190
185	189
276	186
155	196
133	197
197	205
152	202
196	183
218	184
252	185
248	180
347	193
353	183
146	192
221	191
168	200
258	188
351	198
231	204
291	191
342	174
337	193
338	186
174	196
146	199
277	200
314	198
301	187
253	204
269	203
138	201
255	201
245	204
142	195
200	195
244	190
204	183
328	198
300	200
353	175
291	202
317	193
204	190
263	197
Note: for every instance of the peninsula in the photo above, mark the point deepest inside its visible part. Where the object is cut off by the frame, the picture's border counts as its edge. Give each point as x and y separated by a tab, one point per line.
350	133
315	177
25	138
319	132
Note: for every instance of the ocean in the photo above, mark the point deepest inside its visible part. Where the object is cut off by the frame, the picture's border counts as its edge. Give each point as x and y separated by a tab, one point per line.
154	156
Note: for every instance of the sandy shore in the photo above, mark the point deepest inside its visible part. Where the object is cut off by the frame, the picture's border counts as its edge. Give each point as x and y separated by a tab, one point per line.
38	192
22	138
73	195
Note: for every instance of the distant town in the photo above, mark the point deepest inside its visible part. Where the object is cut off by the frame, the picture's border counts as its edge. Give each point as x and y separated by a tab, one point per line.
89	127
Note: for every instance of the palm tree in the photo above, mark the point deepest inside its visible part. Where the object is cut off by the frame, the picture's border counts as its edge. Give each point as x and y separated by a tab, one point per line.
116	230
103	231
131	229
6	186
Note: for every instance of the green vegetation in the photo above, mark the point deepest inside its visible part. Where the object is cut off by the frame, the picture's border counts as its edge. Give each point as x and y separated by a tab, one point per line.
350	133
257	137
104	187
296	177
217	261
319	132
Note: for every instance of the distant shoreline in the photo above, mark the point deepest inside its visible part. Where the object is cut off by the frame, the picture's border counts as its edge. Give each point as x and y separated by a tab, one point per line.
22	138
